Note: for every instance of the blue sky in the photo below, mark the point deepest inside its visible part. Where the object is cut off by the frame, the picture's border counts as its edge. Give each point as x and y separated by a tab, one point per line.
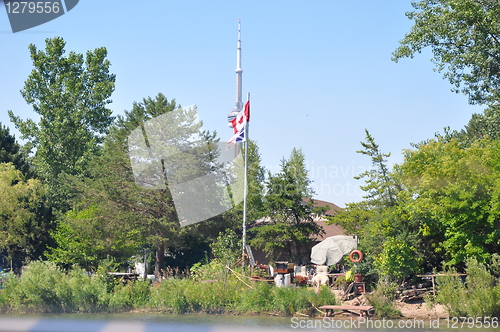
319	73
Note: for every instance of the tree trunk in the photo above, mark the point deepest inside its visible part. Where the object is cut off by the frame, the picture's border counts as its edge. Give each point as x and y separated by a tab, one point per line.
159	260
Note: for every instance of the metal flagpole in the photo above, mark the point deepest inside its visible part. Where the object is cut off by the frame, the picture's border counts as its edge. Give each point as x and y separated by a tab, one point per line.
245	192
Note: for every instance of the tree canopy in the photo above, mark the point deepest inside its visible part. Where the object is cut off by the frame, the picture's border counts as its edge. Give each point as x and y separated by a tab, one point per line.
289	206
464	36
453	193
70	93
25	216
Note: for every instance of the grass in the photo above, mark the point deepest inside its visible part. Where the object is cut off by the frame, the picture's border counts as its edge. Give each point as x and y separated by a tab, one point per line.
382	299
45	288
479	296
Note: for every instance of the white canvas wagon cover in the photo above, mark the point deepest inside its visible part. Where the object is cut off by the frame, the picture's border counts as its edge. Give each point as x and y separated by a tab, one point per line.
331	250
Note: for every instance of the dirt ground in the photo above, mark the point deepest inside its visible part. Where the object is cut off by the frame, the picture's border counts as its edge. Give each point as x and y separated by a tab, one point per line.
421	310
417	310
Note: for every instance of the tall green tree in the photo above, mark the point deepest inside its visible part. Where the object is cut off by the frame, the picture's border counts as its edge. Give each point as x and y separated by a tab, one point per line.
380	187
126	213
454	193
289	206
11	152
378	220
464	36
70	94
480	126
256	187
25	216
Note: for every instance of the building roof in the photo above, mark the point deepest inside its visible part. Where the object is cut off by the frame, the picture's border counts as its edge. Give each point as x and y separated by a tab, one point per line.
332	208
330	230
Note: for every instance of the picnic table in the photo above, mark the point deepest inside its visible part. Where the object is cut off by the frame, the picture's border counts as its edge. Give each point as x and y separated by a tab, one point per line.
125	276
357	310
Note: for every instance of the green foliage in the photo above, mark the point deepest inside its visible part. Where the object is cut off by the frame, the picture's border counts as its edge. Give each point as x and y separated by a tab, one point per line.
454	193
255	178
70	94
227	247
380	187
283	300
259	299
11	152
382	299
44	287
126	215
481	126
131	295
84	239
397	260
290	207
464	36
25	218
186	295
371	217
214	270
479	296
447	208
388	237
9	148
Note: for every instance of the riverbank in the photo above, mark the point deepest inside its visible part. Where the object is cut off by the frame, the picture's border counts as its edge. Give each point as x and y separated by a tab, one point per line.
46	289
421	310
414	310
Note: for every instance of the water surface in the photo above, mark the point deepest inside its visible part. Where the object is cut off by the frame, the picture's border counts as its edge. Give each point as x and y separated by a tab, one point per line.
213	323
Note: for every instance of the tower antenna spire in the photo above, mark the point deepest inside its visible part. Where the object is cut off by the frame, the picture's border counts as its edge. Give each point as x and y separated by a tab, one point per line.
239	103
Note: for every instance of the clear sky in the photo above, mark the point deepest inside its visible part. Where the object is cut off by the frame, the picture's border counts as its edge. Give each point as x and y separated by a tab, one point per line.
319	73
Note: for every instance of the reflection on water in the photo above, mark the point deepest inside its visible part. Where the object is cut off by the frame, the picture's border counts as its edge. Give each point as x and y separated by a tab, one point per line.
205	323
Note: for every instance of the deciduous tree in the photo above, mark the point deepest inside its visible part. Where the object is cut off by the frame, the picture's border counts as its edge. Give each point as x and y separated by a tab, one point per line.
25	218
464	36
70	94
455	193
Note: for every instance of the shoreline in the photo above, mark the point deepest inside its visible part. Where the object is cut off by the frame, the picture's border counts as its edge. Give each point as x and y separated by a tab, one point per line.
408	311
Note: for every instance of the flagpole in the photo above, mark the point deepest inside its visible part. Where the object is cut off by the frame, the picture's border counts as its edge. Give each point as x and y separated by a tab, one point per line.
245	192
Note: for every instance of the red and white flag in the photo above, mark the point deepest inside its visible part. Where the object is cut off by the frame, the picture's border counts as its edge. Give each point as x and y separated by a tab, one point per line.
239	124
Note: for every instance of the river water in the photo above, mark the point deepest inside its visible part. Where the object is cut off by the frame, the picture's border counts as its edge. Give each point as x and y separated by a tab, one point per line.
220	323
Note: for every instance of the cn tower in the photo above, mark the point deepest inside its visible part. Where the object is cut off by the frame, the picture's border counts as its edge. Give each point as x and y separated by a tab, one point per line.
238	106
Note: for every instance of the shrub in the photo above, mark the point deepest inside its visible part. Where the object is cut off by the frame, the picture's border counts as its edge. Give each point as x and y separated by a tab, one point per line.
283	300
130	295
479	296
170	295
43	287
258	299
36	291
382	299
397	260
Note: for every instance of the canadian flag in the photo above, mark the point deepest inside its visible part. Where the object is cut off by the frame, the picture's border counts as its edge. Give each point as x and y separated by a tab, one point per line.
239	124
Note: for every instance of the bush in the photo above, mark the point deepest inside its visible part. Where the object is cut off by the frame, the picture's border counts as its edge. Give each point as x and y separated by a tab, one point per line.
382	299
170	295
479	296
43	287
130	295
283	300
